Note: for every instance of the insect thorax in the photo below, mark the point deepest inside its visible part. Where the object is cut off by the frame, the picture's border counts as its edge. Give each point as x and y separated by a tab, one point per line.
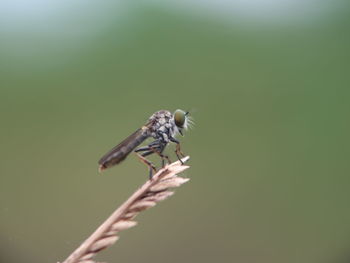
163	125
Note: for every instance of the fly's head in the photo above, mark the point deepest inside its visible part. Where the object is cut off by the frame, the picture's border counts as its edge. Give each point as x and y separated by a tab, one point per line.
182	120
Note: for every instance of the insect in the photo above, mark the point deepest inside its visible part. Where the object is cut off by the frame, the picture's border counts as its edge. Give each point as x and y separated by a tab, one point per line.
163	126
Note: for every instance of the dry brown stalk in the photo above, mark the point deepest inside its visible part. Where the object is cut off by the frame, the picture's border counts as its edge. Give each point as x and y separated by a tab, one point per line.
148	195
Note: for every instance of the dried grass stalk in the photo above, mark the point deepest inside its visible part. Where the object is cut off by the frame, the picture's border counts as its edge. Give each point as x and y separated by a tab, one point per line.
147	196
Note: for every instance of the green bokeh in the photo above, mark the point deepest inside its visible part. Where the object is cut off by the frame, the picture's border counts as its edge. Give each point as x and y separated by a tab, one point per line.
269	151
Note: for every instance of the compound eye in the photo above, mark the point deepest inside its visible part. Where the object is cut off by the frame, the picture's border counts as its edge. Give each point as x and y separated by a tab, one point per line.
179	118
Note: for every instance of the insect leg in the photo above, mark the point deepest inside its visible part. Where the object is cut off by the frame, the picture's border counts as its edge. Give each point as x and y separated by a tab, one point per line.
147	153
158	149
142	149
155	147
178	151
163	156
148	163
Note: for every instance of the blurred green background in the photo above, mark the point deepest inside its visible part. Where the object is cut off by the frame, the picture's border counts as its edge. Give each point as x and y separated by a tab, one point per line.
267	83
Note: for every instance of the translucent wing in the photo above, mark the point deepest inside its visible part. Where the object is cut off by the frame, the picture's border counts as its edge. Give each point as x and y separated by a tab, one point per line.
123	149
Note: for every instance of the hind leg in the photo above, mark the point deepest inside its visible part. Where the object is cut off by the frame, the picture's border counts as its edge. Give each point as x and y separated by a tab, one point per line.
155	147
147	162
159	151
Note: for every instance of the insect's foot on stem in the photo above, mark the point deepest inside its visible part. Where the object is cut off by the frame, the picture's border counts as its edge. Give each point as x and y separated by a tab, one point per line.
178	157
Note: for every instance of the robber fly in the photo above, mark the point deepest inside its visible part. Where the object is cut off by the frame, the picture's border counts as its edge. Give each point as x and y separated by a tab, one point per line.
163	126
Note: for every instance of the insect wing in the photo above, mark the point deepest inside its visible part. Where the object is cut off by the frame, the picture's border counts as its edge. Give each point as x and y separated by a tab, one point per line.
123	149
